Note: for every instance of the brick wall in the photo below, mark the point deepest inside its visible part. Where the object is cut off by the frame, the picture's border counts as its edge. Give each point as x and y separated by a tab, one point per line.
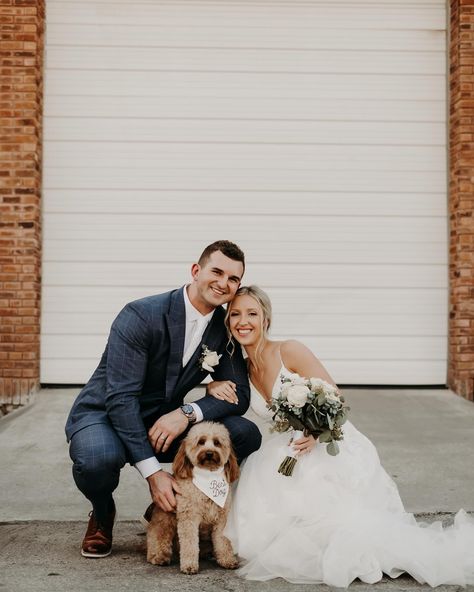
21	55
461	202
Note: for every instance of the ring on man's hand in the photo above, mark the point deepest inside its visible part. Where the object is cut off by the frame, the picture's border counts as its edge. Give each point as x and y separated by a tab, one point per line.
162	437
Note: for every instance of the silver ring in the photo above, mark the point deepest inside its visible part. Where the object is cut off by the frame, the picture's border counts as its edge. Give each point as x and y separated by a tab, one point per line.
163	437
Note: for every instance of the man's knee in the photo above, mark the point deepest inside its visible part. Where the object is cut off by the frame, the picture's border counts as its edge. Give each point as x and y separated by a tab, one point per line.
245	435
102	462
97	474
96	455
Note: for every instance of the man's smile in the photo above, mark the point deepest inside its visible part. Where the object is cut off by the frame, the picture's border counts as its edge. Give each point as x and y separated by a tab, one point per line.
217	291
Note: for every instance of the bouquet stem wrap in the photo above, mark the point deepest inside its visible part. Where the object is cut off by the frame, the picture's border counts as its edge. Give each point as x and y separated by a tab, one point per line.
288	464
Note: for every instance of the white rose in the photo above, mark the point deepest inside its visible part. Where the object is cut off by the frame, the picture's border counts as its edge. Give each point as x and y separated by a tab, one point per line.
210	360
332	397
284	390
329	389
316	383
298	395
297	379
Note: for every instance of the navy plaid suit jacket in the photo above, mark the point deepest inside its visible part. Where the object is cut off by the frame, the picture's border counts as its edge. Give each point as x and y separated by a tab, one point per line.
140	375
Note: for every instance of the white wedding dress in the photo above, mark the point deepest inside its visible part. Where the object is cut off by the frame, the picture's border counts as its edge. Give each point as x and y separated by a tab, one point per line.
336	518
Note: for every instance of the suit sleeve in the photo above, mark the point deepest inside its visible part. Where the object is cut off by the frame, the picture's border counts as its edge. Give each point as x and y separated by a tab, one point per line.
127	359
229	368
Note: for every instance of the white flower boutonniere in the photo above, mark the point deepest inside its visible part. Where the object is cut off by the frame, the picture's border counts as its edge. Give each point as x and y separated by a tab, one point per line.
209	359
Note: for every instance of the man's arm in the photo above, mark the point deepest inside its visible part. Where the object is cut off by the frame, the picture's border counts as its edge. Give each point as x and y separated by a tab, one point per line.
229	368
127	359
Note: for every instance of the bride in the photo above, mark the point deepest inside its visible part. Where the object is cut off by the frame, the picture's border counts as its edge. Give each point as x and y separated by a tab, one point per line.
337	518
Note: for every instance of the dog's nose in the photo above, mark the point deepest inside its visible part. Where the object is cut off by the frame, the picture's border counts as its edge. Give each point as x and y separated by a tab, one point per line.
209	454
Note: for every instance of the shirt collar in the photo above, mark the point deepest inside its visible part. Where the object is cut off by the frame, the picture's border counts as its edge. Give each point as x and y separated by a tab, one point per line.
192	314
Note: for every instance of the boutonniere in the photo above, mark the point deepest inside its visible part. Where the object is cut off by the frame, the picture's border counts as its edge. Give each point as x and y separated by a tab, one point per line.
208	359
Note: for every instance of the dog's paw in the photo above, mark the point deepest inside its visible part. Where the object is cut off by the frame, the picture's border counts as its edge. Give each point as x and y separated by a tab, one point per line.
189	568
229	563
159	560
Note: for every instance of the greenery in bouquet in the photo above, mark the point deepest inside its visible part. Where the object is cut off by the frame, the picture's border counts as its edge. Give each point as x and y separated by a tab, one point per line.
312	406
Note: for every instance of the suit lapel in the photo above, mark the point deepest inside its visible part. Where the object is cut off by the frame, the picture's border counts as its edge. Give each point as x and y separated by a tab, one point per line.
212	338
176	322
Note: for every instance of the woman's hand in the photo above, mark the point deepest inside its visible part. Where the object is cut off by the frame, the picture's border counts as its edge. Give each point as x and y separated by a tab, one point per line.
224	390
303	445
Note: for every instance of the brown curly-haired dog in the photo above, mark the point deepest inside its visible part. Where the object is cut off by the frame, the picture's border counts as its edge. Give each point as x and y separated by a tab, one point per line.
206	446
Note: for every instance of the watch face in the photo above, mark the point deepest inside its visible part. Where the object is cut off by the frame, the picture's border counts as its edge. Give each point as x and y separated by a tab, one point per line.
187	408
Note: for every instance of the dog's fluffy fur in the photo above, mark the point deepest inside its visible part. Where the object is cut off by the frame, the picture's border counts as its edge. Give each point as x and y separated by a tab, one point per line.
207	446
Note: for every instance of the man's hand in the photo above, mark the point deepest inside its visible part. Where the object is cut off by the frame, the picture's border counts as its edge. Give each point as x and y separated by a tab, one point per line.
166	429
162	489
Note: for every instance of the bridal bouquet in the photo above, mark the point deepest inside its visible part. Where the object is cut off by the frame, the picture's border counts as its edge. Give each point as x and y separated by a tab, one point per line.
310	406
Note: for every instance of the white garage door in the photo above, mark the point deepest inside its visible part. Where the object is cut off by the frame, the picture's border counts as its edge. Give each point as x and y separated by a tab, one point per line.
311	133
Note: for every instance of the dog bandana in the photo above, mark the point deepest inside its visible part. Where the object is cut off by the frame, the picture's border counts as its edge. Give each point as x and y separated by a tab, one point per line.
212	483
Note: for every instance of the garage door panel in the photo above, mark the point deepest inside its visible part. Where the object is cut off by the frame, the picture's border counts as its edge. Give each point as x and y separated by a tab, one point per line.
244	85
103	35
256	109
212	157
262	60
329	301
407	372
66	130
342	276
335	15
363	349
285	326
290	228
330	203
154	251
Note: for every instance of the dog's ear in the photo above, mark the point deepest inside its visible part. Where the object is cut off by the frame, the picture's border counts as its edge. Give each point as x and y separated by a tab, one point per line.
231	468
182	467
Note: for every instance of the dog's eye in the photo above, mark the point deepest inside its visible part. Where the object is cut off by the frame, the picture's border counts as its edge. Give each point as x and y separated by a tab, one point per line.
202	441
216	442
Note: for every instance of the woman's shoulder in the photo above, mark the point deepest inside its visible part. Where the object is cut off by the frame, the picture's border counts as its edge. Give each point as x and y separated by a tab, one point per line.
291	352
291	346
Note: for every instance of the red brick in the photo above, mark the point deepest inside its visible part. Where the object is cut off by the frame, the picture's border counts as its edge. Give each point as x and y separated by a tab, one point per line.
461	189
21	70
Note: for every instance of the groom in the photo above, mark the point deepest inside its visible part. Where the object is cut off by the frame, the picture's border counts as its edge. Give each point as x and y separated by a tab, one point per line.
131	410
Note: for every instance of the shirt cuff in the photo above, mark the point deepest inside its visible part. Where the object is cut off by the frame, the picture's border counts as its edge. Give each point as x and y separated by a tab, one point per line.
148	466
198	412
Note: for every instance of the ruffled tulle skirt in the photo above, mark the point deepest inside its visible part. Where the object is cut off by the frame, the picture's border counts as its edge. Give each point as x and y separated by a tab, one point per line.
337	519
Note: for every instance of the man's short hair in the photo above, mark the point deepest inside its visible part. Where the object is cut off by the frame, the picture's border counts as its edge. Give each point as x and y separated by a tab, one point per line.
227	248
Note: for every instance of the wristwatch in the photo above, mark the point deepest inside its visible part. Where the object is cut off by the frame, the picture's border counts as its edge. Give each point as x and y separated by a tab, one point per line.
188	411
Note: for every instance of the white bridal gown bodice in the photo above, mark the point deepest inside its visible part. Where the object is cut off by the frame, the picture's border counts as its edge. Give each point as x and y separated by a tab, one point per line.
258	405
337	518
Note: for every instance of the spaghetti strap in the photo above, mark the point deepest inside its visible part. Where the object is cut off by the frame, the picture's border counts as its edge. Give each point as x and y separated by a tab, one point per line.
279	353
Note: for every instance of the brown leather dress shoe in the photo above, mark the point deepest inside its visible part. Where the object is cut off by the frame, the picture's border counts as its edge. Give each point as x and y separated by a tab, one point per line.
98	539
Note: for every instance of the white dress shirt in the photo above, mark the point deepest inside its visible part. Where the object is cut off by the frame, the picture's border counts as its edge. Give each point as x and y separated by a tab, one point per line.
196	324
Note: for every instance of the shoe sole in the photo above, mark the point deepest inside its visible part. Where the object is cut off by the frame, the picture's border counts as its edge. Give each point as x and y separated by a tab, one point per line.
95	555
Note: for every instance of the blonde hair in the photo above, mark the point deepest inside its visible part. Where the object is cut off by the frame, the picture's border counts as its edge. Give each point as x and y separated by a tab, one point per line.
265	304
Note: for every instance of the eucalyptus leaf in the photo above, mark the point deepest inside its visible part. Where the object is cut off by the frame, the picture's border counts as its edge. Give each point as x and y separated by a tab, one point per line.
330	422
321	399
295	422
326	436
332	448
312	424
